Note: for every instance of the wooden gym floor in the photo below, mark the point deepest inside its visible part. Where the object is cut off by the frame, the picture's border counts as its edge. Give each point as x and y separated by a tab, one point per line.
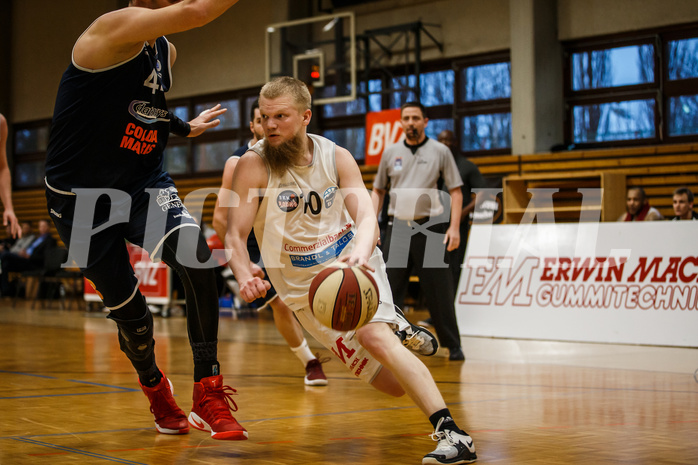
68	395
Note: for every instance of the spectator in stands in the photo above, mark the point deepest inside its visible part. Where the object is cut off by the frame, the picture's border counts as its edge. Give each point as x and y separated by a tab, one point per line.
8	215
683	205
26	237
638	207
472	179
31	258
8	241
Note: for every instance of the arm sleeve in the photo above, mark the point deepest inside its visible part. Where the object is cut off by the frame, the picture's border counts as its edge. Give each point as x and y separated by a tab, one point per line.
179	127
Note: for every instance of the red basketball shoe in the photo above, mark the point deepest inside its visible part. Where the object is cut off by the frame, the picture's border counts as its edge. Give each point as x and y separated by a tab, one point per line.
169	418
211	410
314	375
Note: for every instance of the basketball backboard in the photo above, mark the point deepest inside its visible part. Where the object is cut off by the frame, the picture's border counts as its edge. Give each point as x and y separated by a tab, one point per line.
320	51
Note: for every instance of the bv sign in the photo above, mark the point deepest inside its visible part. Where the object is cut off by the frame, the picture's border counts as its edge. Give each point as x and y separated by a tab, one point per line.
383	129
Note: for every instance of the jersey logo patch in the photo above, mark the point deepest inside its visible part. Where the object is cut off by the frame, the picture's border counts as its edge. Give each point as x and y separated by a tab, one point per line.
287	201
329	195
146	113
322	256
168	198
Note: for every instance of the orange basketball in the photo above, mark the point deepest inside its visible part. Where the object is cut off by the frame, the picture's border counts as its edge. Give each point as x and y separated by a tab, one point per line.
343	298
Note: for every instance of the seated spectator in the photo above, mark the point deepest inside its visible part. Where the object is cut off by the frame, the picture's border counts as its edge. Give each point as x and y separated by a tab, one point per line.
23	242
31	258
638	207
683	205
19	244
8	241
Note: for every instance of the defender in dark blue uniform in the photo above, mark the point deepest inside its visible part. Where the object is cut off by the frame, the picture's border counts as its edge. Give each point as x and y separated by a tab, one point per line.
105	185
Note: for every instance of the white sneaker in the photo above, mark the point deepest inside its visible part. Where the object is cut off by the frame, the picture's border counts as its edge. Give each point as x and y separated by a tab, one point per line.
453	448
416	338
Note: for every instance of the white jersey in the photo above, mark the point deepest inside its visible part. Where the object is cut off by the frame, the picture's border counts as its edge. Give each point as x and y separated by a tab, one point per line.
302	224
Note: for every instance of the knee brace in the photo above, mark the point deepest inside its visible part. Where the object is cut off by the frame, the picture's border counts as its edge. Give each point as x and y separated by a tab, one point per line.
136	339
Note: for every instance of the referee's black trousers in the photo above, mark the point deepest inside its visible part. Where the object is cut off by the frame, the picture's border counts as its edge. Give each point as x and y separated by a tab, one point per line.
435	277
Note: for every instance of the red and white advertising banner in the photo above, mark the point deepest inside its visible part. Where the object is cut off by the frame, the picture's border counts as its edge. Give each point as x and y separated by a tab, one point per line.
153	278
383	129
634	283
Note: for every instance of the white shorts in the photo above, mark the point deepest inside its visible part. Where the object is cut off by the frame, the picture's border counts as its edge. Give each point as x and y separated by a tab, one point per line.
344	344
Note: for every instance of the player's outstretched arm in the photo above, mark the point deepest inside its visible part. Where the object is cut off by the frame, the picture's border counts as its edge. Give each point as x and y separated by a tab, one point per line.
119	35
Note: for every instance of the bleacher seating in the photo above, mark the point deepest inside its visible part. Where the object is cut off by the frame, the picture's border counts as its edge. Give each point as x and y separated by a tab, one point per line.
658	169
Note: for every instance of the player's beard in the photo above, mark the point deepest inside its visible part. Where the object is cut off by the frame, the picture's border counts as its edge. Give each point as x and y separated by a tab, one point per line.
286	155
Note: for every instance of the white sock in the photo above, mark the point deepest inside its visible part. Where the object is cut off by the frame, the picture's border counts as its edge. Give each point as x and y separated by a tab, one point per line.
303	352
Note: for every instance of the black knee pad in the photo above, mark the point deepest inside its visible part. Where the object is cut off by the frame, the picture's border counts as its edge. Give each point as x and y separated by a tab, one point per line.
136	337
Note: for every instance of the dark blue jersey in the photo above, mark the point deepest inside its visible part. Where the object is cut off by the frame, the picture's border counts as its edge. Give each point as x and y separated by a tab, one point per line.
110	126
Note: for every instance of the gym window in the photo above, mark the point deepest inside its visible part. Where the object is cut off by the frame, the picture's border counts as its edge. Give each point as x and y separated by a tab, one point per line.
638	89
469	96
30	143
484	104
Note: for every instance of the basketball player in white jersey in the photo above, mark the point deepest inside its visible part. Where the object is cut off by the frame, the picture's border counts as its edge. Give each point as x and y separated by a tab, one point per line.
310	209
284	320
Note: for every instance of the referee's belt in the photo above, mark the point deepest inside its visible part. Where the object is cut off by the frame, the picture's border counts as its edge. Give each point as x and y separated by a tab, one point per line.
419	221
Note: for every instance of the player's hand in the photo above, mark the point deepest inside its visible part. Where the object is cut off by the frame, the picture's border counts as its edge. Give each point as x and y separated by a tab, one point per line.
353	260
254	288
257	270
206	120
8	217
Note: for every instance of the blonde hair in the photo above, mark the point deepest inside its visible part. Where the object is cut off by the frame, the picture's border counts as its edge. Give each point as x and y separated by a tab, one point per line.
287	85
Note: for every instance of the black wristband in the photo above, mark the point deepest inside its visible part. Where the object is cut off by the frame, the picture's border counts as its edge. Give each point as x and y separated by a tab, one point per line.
179	127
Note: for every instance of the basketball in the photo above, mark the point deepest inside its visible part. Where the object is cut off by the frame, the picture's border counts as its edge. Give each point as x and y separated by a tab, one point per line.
343	298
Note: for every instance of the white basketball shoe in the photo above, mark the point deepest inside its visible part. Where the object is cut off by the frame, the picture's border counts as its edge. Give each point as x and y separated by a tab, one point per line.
453	448
416	338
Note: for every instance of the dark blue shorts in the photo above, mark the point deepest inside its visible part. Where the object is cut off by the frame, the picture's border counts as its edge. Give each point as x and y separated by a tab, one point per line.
95	226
